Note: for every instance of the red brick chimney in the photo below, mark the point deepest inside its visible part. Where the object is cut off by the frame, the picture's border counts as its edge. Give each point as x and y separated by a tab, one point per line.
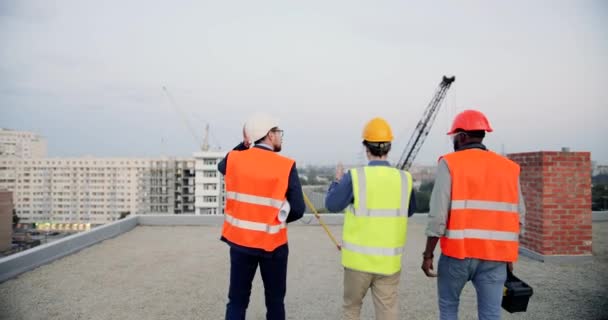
557	192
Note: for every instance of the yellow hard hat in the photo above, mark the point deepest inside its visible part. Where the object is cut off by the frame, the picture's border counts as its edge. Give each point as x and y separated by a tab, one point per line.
377	130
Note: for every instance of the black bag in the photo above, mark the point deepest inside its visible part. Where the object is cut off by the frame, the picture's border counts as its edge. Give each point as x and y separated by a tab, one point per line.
516	294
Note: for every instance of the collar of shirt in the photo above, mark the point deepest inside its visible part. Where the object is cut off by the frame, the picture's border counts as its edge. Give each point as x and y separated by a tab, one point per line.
379	163
476	145
264	146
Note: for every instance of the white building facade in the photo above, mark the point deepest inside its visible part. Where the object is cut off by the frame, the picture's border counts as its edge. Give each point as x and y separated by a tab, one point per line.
72	190
22	144
209	187
97	190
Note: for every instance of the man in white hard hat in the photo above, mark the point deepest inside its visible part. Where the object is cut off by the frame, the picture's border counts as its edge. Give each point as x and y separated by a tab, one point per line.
258	182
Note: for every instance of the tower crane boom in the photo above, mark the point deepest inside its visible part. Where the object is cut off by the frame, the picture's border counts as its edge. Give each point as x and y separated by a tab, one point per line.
424	125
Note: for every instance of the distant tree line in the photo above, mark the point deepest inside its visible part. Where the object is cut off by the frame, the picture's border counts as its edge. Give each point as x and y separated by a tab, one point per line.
599	192
423	196
312	174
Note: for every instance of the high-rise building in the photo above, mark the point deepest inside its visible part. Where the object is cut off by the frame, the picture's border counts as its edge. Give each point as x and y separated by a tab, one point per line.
100	190
21	144
209	183
168	187
97	190
88	190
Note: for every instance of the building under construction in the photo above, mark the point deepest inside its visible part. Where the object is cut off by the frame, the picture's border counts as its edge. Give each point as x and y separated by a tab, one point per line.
167	187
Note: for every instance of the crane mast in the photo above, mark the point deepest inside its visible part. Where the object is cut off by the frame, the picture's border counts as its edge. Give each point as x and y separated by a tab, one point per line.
424	125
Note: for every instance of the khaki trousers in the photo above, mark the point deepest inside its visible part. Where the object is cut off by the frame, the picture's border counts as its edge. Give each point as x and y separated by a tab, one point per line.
384	294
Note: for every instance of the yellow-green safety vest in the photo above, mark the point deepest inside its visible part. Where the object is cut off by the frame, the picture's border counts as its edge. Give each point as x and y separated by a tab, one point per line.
375	225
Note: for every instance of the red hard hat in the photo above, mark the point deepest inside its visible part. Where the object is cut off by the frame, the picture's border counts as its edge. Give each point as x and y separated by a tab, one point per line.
470	120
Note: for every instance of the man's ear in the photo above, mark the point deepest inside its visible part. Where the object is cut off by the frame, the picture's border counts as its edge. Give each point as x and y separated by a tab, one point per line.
462	137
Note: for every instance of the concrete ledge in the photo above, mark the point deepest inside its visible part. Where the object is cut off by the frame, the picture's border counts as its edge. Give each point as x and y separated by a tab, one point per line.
179	220
338	218
599	216
327	218
531	254
27	260
197	220
555	258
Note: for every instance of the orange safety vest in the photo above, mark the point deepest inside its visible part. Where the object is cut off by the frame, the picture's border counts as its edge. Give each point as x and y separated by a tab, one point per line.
483	222
256	184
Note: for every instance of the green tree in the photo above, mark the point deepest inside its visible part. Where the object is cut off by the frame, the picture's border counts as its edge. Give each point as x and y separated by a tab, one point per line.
423	196
15	218
124	214
599	197
422	201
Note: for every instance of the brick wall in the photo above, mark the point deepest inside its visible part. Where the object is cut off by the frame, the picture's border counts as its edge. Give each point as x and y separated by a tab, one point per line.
557	192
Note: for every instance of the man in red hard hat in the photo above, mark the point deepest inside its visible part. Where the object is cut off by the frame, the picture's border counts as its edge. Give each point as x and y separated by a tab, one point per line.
476	209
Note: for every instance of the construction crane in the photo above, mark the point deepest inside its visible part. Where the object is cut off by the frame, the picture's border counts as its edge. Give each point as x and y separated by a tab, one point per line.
204	146
424	125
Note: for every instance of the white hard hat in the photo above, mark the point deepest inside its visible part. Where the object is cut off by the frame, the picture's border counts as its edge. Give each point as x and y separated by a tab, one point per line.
258	126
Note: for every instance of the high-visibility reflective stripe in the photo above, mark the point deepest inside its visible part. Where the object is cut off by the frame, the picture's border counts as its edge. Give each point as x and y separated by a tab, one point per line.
243	197
481	234
372	250
378	212
484	205
362	192
404	195
364	211
255	226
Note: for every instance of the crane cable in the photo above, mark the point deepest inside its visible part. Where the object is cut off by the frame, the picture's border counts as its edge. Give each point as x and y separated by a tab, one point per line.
183	117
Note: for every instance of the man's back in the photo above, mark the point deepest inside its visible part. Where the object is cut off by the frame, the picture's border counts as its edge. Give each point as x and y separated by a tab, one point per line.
475	172
483	221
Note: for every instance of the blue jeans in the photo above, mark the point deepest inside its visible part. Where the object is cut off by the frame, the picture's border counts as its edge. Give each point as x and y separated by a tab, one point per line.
274	275
488	278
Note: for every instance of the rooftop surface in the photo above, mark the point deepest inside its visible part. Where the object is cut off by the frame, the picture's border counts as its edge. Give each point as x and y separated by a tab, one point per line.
181	272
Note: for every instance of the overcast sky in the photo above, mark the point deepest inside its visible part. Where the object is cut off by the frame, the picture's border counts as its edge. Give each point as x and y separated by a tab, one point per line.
88	75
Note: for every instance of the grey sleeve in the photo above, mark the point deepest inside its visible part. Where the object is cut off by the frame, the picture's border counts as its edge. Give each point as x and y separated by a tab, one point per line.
521	208
439	205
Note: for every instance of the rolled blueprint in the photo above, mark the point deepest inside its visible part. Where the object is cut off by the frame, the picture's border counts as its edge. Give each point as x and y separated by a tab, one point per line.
284	211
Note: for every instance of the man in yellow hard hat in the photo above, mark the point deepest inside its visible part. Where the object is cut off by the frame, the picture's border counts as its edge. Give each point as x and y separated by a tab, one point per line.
377	200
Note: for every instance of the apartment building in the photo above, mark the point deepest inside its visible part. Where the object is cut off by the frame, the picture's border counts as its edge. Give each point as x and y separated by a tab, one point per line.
97	190
75	190
21	144
168	187
209	183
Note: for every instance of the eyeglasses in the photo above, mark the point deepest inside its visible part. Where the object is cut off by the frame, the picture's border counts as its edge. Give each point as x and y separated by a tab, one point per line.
279	131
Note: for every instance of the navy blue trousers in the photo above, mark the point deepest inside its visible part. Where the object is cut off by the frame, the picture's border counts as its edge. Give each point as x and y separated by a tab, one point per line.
274	275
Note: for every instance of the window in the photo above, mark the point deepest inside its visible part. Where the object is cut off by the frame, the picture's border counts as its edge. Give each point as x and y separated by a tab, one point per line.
209	174
209	186
208	161
210	199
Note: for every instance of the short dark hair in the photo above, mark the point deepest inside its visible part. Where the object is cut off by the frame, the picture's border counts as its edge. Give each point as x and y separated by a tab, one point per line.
377	149
476	134
473	133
